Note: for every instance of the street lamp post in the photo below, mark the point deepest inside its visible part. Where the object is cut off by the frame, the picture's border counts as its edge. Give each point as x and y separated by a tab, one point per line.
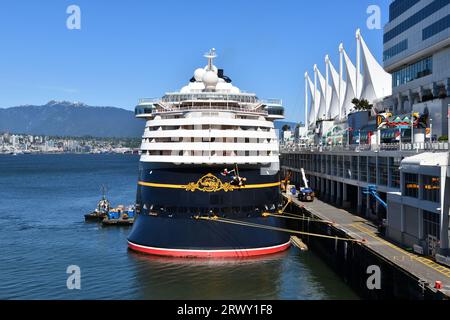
359	138
348	137
431	130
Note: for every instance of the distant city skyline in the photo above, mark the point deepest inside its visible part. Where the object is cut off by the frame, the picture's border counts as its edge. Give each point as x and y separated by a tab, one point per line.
130	50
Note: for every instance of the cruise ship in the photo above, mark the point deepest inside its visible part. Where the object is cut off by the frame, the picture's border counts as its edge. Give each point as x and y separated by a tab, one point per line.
209	152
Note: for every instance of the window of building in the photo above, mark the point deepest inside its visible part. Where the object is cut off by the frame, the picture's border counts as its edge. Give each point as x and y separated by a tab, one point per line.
347	167
363	168
334	165
323	164
431	224
382	171
395	50
411	185
354	172
340	165
398	7
372	169
329	165
394	172
432	189
314	163
415	19
436	28
412	72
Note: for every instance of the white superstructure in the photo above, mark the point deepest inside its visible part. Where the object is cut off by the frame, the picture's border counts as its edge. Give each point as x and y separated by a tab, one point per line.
210	121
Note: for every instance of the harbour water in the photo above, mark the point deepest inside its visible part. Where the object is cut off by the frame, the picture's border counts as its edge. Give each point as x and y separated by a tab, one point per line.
42	202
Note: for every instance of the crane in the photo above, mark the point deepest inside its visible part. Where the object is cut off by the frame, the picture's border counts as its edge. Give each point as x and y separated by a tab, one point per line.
305	193
372	190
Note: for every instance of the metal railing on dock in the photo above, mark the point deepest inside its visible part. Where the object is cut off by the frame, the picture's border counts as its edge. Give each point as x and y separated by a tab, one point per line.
417	147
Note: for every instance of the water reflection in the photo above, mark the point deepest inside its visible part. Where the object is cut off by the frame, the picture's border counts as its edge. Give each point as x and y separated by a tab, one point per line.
171	278
280	276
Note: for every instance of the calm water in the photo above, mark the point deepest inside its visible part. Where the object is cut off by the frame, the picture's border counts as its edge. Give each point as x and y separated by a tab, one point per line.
42	232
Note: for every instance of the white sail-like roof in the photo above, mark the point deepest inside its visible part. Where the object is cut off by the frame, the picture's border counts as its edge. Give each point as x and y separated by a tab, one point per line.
325	96
335	100
377	83
333	111
350	91
313	105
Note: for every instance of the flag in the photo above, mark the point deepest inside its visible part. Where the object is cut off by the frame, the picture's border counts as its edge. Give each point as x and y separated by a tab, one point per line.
226	172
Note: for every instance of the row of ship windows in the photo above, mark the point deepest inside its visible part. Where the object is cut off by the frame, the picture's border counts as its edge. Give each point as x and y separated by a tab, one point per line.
214	114
206	140
208	153
199	96
415	19
209	127
359	168
226	211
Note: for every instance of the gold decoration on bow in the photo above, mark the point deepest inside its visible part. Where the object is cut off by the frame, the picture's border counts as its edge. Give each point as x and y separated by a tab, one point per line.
209	183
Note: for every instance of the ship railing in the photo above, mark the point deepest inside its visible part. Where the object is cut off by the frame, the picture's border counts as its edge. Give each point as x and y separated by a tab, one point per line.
208	96
272	101
149	100
210	108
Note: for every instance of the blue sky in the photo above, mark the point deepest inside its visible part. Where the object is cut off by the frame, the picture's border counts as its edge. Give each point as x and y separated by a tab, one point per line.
132	49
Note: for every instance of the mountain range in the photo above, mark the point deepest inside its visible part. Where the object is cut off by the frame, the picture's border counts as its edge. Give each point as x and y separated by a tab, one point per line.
73	119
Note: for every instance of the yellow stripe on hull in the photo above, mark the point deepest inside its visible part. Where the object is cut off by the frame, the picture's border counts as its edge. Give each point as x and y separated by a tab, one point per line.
186	187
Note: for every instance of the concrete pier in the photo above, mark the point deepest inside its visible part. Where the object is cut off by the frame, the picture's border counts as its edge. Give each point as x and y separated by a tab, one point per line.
404	275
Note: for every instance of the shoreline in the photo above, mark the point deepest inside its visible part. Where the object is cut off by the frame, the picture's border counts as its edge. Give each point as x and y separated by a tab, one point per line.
68	153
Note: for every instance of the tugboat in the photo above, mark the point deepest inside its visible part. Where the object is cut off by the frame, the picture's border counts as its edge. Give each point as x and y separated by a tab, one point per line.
101	211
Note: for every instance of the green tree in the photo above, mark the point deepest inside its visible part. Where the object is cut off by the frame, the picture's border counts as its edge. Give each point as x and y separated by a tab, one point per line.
362	105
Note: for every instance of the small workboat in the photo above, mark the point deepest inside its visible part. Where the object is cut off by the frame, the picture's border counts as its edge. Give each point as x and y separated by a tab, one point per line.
100	212
120	216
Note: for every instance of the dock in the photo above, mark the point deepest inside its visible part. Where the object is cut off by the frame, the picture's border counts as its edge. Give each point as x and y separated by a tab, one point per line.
423	272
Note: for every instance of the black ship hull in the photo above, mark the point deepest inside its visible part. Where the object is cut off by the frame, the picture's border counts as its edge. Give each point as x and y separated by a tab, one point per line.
172	201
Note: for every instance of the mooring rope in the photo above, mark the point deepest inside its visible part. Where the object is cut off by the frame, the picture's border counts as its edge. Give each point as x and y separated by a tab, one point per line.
294	217
260	226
